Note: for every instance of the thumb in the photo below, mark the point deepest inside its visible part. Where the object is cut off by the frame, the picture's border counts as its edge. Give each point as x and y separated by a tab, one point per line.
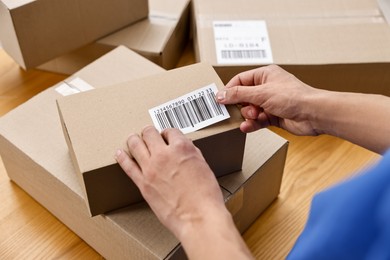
240	94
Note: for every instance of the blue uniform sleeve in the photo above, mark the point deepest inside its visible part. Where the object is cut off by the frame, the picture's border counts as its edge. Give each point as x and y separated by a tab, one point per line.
350	220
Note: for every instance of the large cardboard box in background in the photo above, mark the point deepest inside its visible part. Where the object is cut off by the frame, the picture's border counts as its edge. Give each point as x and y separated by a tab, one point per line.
36	31
97	122
160	38
340	45
36	158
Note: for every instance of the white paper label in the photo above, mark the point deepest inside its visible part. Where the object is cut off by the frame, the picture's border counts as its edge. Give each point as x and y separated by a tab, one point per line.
74	86
190	112
242	42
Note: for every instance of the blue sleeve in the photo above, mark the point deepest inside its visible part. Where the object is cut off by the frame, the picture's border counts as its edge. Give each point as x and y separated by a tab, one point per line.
350	220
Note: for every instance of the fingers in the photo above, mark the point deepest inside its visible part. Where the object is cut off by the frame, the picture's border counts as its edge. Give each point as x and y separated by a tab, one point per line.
152	138
241	94
255	76
263	120
244	86
253	125
172	134
129	166
247	78
251	112
138	149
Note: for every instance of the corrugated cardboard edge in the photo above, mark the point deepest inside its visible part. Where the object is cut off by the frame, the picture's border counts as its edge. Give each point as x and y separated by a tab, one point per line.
71	152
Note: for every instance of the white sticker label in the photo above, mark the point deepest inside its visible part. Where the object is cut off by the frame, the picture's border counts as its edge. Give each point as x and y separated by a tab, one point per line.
74	86
190	112
242	42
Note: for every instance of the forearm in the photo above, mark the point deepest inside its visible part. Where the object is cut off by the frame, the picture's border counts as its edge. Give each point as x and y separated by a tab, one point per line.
214	237
363	119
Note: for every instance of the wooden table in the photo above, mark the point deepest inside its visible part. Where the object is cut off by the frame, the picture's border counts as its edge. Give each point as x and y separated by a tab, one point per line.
27	230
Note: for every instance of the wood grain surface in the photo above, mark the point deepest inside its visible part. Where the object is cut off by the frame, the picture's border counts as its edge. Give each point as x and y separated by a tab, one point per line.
27	230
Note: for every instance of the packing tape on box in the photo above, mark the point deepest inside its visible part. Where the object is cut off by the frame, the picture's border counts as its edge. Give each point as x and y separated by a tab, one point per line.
73	86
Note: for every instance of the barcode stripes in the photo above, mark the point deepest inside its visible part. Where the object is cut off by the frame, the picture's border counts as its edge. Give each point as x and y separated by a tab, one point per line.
244	54
190	113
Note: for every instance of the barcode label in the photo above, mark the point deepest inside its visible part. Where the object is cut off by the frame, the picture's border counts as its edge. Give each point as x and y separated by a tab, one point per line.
242	42
244	54
190	112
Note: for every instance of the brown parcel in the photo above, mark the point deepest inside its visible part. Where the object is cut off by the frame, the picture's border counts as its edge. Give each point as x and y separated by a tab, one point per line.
97	122
36	158
342	47
161	38
35	31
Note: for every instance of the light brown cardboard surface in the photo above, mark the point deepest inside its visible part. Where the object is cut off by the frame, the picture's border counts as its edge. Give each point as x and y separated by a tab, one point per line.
110	114
385	8
36	158
160	38
34	32
286	8
337	46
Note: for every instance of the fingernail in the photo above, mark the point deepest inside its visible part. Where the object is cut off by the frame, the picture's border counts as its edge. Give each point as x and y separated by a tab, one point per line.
221	95
251	114
118	153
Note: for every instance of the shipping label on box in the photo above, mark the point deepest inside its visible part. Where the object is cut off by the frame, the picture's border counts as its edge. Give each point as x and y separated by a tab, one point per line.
242	42
324	44
96	123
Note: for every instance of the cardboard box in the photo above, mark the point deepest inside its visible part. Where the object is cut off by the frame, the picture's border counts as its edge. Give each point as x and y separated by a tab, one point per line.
338	47
385	8
36	31
160	38
283	9
110	114
36	158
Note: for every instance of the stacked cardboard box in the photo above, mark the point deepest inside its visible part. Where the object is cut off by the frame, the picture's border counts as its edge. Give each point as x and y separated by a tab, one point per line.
160	38
36	31
109	115
337	45
36	157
